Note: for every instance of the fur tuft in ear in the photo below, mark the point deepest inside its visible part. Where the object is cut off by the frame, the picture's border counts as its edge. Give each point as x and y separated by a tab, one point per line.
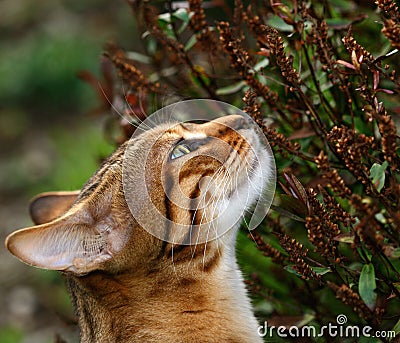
59	246
46	207
80	241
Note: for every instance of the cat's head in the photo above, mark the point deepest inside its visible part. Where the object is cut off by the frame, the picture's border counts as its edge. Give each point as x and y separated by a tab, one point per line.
170	194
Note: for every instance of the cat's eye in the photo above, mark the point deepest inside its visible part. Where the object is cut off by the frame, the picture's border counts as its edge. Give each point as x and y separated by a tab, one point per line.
180	150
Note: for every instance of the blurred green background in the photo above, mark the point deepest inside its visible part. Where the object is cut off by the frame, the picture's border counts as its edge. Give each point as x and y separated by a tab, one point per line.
48	138
51	140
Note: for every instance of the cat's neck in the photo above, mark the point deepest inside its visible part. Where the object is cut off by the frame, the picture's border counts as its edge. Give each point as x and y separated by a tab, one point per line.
164	307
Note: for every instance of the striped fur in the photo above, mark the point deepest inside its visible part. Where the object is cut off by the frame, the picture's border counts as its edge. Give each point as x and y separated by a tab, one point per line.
126	284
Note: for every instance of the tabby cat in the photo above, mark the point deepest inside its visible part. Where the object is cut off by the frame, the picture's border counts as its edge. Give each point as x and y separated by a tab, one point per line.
127	284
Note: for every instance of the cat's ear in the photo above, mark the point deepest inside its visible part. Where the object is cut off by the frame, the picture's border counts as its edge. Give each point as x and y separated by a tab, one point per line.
46	207
79	241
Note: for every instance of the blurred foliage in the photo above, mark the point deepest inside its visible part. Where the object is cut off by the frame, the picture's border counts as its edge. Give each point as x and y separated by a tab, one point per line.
49	140
10	335
320	78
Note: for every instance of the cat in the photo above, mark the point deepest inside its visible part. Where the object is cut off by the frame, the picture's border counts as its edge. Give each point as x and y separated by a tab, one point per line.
128	284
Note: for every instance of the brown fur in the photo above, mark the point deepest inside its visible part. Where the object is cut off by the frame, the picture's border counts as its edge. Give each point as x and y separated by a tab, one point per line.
126	284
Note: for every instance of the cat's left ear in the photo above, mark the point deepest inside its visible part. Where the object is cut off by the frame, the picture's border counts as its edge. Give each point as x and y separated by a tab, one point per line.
79	241
46	207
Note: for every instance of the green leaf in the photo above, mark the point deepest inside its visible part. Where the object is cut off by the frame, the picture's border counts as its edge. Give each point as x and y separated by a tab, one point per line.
367	285
377	175
317	270
397	285
279	24
396	327
291	270
286	213
367	253
321	270
380	218
307	318
164	17
190	43
151	43
264	307
262	64
292	205
164	22
338	22
231	88
182	14
345	238
395	253
138	57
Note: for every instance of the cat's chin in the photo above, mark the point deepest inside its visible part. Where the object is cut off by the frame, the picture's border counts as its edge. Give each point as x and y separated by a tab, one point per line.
244	194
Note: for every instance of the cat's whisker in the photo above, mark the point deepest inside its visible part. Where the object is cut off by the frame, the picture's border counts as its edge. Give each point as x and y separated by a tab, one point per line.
204	252
204	195
204	212
199	226
142	96
221	192
173	262
249	180
142	123
136	119
115	108
251	174
127	252
249	232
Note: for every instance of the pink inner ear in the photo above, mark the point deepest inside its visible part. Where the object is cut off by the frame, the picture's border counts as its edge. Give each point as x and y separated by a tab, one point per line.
39	246
60	246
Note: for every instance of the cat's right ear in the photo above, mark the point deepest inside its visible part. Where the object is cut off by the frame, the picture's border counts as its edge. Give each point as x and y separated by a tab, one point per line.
46	207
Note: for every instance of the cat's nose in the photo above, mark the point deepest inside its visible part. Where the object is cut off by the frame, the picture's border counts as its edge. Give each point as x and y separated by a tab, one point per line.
240	122
235	121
